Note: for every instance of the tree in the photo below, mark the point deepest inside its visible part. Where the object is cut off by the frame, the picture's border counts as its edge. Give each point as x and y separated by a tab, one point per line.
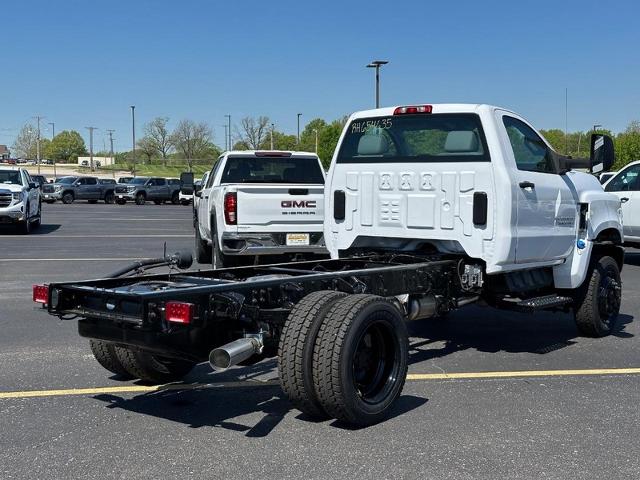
308	134
253	132
25	145
328	139
147	147
193	140
281	141
158	137
67	146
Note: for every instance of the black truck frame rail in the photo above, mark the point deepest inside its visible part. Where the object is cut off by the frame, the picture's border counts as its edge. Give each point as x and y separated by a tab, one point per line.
229	303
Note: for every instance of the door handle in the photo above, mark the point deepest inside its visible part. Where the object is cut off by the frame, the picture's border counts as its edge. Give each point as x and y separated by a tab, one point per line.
527	185
624	199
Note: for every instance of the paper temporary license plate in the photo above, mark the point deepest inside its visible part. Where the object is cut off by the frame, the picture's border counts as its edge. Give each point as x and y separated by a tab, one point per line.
295	239
120	196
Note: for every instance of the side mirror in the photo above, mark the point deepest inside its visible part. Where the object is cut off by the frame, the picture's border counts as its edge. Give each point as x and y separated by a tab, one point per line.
33	185
186	183
602	155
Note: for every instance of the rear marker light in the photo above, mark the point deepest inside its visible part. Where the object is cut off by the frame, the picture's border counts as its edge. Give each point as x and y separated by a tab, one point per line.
41	294
179	312
412	110
231	208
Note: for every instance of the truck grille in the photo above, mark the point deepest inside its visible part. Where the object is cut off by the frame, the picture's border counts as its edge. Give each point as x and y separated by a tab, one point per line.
47	188
121	189
5	199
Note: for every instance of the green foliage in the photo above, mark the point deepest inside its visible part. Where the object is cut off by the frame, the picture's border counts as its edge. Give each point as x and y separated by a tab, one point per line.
66	147
627	147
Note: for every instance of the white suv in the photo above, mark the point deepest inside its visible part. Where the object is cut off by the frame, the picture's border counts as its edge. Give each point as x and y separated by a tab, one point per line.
19	199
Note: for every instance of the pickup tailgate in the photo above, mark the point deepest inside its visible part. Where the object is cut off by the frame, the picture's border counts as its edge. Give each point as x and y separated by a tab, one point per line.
284	208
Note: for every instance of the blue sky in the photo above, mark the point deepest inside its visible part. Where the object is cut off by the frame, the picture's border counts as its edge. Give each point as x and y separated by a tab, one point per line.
82	63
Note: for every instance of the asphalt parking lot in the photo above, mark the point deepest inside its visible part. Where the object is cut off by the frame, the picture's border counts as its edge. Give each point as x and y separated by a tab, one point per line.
467	410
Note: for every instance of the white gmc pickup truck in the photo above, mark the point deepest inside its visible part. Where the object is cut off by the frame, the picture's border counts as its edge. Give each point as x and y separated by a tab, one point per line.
258	203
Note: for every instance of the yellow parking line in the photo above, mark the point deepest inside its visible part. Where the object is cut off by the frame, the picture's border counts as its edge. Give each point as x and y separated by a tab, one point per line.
131	389
239	384
523	373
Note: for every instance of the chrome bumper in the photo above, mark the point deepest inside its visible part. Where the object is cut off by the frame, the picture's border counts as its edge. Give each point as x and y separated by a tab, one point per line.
269	244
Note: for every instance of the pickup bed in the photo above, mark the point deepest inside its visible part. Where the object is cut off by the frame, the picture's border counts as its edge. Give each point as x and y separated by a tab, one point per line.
430	208
257	204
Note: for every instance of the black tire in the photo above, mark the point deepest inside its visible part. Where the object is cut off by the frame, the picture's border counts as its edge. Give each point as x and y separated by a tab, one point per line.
92	201
121	201
25	226
175	198
38	221
597	303
360	359
151	368
67	198
220	260
105	354
203	250
295	350
140	199
158	202
109	198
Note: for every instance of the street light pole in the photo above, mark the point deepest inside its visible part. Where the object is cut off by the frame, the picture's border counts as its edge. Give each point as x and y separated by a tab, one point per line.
226	137
38	118
53	130
91	129
299	115
316	132
229	131
113	160
377	64
272	126
133	136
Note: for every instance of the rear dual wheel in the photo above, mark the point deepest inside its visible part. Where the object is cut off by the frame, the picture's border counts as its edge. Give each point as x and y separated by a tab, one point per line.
359	358
131	362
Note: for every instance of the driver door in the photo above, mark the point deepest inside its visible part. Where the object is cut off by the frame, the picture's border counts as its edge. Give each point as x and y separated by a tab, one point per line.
547	209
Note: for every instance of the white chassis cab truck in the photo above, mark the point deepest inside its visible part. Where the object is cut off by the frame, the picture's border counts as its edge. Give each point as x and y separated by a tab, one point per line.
428	208
260	203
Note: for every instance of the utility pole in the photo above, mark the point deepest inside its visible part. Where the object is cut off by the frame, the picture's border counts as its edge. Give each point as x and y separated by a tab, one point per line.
377	64
53	130
316	131
91	129
230	144
133	136
566	121
226	137
272	126
38	118
299	115
113	160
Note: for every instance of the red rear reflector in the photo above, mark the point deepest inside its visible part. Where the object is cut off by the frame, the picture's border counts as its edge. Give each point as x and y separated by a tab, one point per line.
231	208
41	294
179	312
412	110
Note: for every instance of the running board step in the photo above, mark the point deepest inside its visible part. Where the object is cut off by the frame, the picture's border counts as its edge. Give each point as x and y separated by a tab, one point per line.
542	303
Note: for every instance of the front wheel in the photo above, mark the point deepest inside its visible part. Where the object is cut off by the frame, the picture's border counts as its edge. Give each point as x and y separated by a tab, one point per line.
67	198
109	198
140	199
175	198
597	302
360	359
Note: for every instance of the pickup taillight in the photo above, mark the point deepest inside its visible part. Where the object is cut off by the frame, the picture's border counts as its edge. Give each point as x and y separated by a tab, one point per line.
231	208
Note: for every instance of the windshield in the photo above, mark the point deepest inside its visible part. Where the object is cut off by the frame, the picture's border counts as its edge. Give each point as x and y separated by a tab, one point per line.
138	181
415	138
305	170
66	180
10	177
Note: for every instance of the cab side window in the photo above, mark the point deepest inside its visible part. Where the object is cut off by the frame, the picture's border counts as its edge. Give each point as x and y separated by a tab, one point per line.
529	150
91	181
625	181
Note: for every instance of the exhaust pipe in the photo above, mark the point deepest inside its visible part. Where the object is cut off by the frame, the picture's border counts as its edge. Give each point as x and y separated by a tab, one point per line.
422	307
235	352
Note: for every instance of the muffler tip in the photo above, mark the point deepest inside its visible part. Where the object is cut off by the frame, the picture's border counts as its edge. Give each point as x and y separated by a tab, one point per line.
219	359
